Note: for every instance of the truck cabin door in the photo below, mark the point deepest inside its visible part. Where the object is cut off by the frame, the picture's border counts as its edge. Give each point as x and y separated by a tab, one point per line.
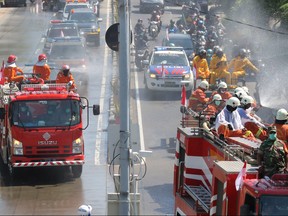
249	206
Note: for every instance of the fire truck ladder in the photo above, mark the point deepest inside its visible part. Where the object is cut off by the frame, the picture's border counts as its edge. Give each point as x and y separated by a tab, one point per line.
200	195
233	150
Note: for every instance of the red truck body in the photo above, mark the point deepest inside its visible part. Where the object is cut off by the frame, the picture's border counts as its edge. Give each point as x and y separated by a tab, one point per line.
53	135
205	172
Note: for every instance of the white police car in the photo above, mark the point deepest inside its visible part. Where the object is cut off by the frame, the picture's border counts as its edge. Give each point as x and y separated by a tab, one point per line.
168	69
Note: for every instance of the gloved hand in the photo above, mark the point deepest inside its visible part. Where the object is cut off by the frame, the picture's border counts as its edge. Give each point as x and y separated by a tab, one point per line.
230	127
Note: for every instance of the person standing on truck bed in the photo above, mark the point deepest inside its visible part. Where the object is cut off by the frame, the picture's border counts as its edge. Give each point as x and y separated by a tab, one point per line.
41	68
198	97
281	126
272	155
228	121
11	70
65	76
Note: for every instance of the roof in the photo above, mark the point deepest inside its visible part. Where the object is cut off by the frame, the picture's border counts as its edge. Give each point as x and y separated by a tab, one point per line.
82	10
179	35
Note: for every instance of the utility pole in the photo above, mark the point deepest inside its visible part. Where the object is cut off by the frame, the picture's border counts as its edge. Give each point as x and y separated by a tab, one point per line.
124	71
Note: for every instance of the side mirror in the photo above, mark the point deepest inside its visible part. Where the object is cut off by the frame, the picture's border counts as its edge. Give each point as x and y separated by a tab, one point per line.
99	20
96	109
2	113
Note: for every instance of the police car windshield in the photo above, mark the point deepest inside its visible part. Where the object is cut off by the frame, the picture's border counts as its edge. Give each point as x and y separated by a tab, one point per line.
83	17
63	32
67	52
185	43
173	59
46	113
68	7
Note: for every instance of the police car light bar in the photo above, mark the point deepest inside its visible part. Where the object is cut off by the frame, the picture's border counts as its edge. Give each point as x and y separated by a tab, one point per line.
161	48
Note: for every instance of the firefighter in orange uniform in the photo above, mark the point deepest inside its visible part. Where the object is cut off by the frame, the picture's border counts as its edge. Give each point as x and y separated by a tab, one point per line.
11	69
258	129
201	65
222	90
238	64
41	68
65	76
282	128
228	121
198	97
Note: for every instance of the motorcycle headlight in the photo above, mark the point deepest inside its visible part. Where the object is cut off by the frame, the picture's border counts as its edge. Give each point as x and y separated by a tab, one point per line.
17	147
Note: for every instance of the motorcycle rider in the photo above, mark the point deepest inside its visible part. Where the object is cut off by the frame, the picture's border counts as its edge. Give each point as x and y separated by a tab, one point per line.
256	127
200	64
172	28
218	67
212	37
228	121
41	68
209	56
141	41
198	98
65	76
238	65
181	29
156	16
139	27
10	70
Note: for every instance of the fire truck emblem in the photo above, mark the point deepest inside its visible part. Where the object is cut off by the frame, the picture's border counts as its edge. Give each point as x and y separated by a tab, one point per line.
46	136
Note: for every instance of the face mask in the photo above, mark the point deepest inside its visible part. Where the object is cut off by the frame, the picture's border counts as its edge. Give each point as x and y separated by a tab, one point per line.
217	103
272	136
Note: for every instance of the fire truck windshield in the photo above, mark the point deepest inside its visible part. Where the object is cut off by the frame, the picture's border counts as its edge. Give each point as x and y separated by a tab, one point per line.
45	113
273	205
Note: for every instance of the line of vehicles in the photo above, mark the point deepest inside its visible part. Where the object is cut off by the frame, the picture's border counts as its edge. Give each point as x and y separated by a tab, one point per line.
42	123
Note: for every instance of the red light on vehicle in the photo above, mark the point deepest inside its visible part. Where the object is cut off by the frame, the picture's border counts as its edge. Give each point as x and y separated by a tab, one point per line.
56	21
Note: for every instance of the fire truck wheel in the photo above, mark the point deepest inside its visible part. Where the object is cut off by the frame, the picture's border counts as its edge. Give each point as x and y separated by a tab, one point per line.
77	171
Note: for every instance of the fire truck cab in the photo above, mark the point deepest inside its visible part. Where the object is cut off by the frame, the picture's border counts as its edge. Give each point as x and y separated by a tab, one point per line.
205	172
42	125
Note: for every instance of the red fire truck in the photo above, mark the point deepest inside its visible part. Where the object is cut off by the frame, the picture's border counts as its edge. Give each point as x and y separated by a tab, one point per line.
42	125
206	169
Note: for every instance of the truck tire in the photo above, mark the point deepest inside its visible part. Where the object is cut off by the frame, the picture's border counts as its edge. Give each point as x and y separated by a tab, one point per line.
77	171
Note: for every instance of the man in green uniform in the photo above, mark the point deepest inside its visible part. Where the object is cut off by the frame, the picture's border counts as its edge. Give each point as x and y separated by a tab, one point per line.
272	156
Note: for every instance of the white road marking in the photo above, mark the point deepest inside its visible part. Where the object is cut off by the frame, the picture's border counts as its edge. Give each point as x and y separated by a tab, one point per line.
101	102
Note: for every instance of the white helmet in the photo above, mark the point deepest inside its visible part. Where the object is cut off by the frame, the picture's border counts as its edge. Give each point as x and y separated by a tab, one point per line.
240	94
204	85
84	210
245	88
247	100
233	102
238	89
222	85
216	97
282	114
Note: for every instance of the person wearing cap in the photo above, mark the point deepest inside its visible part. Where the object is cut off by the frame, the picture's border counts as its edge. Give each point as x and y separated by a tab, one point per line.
279	123
198	97
11	70
258	129
228	121
41	68
272	155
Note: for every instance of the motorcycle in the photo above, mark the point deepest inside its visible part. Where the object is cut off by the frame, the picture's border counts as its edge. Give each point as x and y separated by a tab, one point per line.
140	55
153	29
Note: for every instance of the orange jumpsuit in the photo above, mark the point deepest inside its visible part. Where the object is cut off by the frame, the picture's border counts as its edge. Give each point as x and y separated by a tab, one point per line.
197	100
237	65
202	69
65	79
43	70
10	73
282	132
